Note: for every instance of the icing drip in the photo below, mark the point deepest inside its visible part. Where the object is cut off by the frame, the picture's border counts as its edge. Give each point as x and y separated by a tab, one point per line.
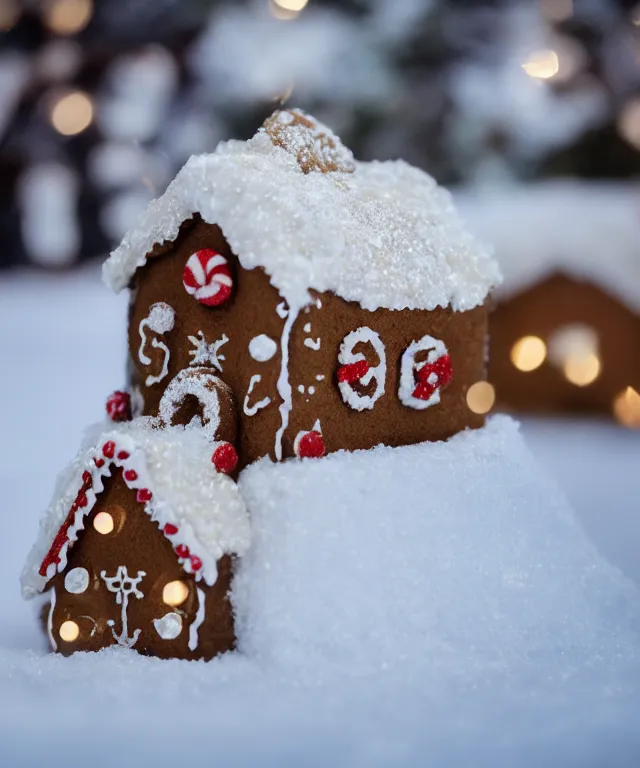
281	310
197	622
52	606
284	386
251	410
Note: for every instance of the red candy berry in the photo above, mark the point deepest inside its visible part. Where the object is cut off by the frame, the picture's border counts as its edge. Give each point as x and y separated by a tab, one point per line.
108	449
119	406
131	475
99	462
123	455
310	445
182	550
170	529
144	495
225	458
196	563
207	277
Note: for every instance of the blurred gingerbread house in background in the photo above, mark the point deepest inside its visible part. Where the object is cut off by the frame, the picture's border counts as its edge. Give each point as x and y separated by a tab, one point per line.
565	331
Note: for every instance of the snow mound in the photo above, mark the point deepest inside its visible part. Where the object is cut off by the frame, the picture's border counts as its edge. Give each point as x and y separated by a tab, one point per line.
385	235
589	231
440	559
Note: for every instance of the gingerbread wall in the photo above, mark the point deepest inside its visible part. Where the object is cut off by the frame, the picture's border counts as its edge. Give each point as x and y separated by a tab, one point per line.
560	301
137	544
256	309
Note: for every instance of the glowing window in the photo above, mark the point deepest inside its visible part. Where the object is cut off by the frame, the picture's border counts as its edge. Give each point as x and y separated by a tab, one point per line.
481	397
528	353
69	631
626	408
582	370
175	593
103	523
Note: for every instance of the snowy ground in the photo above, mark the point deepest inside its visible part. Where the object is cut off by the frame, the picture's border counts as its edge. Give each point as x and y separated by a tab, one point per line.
62	352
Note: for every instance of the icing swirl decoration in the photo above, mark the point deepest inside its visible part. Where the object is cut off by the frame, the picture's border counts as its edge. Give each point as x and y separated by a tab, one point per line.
207	277
420	383
355	369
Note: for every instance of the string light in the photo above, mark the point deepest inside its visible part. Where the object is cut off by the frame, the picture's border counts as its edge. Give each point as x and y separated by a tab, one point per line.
542	65
629	122
72	113
9	14
69	631
528	353
626	408
103	523
68	17
481	397
557	10
285	10
175	593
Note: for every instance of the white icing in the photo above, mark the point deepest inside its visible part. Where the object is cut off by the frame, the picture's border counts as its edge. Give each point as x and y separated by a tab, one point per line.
281	310
320	377
408	367
76	581
284	385
123	585
307	327
161	319
251	410
94	622
262	348
301	389
311	390
174	463
197	622
52	606
169	626
312	344
205	353
385	235
201	383
378	373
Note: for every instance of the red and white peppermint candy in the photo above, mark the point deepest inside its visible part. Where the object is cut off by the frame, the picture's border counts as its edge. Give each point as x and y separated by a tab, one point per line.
355	369
421	383
207	277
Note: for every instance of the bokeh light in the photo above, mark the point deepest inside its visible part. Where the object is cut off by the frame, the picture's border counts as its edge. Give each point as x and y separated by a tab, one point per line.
528	353
626	408
481	397
542	65
68	17
69	631
72	113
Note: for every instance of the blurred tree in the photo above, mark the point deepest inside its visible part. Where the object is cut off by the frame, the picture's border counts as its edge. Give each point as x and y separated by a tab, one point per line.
101	101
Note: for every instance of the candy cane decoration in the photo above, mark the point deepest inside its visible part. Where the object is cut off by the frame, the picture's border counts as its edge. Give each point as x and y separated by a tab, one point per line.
354	368
420	383
207	277
160	320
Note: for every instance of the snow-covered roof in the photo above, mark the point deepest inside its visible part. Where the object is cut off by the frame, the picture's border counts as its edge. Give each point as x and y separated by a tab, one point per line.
382	234
590	231
172	472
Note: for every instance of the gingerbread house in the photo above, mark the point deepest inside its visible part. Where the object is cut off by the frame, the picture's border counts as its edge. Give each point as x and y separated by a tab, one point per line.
566	328
137	546
343	303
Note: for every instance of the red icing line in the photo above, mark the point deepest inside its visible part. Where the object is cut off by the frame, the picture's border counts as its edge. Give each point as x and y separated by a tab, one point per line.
353	371
442	368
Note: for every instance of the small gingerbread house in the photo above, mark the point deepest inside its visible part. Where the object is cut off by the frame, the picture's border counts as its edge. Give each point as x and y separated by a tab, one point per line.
343	303
136	548
565	332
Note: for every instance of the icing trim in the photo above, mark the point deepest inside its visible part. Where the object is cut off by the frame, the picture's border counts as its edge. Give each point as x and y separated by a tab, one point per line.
197	622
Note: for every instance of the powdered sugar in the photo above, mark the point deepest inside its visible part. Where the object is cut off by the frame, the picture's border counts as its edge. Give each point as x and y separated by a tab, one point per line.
385	235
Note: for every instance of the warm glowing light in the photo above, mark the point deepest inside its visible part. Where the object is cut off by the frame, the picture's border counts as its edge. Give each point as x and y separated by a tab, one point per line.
103	523
66	17
557	10
635	15
582	370
629	122
542	64
528	353
9	14
69	631
286	9
626	408
481	397
72	113
175	593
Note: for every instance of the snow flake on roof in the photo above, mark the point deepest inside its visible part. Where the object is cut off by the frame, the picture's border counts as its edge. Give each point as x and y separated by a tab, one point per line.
199	510
381	234
586	230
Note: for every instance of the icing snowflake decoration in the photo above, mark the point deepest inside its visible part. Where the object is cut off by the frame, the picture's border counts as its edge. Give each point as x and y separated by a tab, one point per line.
420	383
160	320
205	353
123	585
355	369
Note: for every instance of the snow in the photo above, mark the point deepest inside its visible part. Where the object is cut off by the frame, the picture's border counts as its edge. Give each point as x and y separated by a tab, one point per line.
385	236
587	230
174	463
526	706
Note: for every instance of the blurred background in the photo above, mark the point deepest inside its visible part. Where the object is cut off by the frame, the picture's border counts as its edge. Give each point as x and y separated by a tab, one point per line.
528	109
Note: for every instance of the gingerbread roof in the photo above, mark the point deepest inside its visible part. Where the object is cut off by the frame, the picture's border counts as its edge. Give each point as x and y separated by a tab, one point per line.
294	201
586	230
199	510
